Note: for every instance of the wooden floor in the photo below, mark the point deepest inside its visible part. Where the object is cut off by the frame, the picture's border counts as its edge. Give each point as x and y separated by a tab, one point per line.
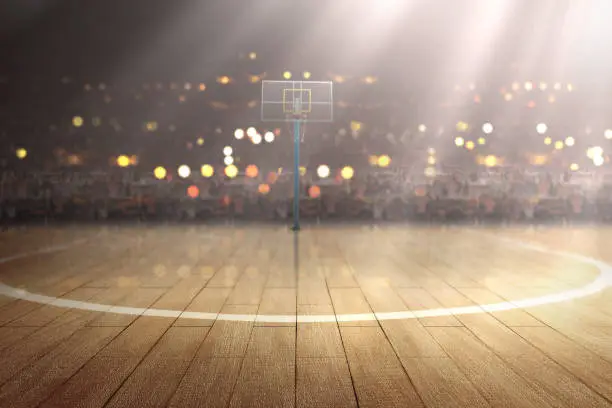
553	355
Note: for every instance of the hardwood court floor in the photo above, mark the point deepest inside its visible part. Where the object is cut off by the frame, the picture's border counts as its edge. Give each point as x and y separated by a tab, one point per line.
555	354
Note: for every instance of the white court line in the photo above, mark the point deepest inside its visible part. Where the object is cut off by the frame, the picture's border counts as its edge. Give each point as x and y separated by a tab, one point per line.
600	283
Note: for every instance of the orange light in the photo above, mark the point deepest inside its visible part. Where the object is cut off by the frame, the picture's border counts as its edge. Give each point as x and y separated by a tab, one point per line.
251	171
314	191
202	87
263	189
224	80
272	177
193	191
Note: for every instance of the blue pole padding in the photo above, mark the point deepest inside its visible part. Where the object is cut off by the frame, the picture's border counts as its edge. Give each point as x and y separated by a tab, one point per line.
296	175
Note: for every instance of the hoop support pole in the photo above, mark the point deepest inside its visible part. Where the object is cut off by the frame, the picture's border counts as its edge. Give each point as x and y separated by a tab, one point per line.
296	175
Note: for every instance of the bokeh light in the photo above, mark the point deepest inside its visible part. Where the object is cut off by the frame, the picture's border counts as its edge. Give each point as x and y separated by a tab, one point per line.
598	161
384	161
184	171
207	171
559	145
21	153
431	160
314	191
347	172
323	171
160	173
200	141
239	134
422	128
193	191
574	167
608	134
469	145
256	139
77	121
482	141
227	160
459	141
307	75
430	172
251	171
231	171
123	161
287	75
251	131
227	150
570	141
487	128
541	128
269	137
595	151
490	161
263	189
547	141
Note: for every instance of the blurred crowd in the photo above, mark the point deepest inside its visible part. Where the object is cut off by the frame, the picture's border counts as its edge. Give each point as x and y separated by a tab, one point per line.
502	194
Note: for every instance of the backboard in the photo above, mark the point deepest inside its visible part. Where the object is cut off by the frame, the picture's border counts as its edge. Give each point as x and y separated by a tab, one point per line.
290	101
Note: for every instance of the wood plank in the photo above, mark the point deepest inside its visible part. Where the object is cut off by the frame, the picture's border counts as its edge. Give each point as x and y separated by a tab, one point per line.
137	297
410	339
323	383
318	339
351	301
209	300
420	299
207	383
265	383
378	376
278	301
156	378
228	338
138	338
490	375
34	384
584	364
273	343
441	384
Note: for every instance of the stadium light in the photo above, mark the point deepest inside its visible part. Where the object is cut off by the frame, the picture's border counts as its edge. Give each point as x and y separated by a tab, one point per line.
323	171
251	132
487	128
256	139
184	171
541	128
239	134
269	137
227	150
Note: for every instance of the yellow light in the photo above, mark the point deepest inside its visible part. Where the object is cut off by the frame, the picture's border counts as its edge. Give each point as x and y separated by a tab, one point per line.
123	161
287	75
370	80
252	55
200	141
223	80
384	161
459	141
469	145
21	153
462	126
547	141
490	161
207	171
431	160
574	167
570	87
302	171
184	171
151	126
347	172
355	126
339	79
160	173
570	141
482	141
430	172
77	121
559	144
307	75
231	171
538	160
